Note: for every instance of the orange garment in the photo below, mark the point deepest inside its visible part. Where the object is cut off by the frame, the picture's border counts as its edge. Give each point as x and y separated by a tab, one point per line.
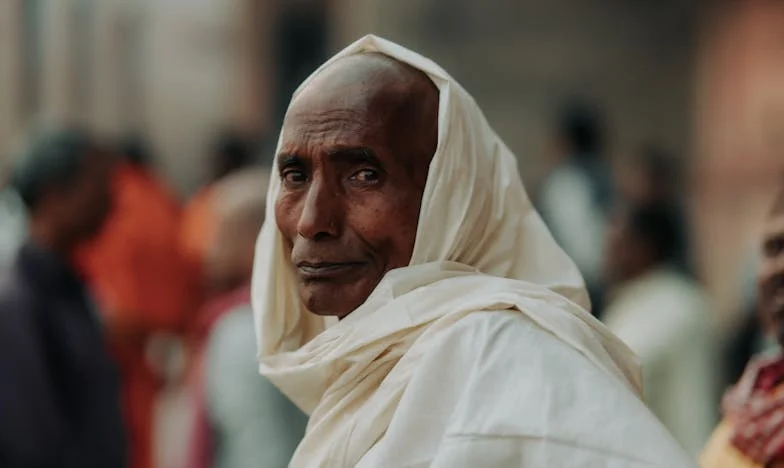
197	230
719	453
139	277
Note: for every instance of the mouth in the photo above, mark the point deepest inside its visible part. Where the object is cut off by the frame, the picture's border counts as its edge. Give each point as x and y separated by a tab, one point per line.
323	271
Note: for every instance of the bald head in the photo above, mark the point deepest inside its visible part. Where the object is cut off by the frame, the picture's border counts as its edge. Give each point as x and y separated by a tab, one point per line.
376	92
357	143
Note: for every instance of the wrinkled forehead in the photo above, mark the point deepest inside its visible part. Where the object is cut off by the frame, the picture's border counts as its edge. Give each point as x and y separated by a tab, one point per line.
365	100
370	85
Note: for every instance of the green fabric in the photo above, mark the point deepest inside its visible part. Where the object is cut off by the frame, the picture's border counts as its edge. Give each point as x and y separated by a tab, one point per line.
254	424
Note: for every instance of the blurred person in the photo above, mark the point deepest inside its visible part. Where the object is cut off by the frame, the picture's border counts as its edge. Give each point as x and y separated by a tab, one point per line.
232	152
752	431
747	338
13	220
59	393
242	420
576	196
649	175
139	278
409	298
663	316
652	175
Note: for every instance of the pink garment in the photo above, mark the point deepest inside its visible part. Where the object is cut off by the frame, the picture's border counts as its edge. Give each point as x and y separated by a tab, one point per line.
200	450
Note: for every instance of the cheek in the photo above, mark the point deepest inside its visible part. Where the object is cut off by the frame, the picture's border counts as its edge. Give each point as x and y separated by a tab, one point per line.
287	216
389	227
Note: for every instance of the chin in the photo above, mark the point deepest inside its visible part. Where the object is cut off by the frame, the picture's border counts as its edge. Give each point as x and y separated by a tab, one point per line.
329	300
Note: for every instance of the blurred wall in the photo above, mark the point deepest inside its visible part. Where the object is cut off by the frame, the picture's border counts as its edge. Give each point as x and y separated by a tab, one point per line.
739	140
179	71
12	77
182	69
520	59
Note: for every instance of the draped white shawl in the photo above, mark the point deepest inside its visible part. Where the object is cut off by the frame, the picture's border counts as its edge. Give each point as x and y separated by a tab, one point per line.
480	246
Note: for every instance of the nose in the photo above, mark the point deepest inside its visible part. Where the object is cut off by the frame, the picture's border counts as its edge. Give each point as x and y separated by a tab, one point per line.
321	213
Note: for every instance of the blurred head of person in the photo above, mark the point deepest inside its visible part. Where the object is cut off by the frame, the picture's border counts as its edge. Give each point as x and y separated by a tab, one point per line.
770	279
641	238
649	175
135	150
240	200
579	133
63	178
232	151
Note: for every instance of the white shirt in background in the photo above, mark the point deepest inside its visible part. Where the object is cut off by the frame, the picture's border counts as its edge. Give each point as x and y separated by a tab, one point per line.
664	318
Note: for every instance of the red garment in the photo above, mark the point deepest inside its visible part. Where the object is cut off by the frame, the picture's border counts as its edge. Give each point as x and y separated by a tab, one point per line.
756	407
136	271
200	453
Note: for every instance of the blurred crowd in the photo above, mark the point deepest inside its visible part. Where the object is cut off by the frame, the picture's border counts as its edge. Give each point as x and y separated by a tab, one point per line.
84	215
133	300
89	225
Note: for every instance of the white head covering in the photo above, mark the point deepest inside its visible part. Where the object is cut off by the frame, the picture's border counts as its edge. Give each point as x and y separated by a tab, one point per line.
480	245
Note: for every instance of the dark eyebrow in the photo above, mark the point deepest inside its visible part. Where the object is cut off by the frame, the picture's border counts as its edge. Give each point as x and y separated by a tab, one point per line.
287	160
771	239
356	155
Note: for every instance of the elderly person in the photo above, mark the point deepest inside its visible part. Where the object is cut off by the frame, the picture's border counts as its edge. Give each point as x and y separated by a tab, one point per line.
752	433
59	391
412	302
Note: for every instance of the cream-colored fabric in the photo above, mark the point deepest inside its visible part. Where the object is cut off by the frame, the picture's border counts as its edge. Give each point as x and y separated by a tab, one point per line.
480	249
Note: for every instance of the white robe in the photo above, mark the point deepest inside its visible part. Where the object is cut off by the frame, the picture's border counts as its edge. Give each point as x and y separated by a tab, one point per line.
496	390
480	353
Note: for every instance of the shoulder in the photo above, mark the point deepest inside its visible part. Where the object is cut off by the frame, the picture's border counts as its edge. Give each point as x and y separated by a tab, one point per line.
720	452
566	179
519	380
503	341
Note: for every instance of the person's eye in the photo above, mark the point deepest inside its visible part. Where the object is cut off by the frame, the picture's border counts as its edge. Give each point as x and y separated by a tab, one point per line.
366	176
776	246
293	177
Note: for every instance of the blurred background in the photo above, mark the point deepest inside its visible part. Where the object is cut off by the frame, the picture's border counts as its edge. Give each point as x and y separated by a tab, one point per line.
698	82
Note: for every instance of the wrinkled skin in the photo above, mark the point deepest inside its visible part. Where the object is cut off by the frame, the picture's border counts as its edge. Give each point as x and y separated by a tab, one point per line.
356	148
